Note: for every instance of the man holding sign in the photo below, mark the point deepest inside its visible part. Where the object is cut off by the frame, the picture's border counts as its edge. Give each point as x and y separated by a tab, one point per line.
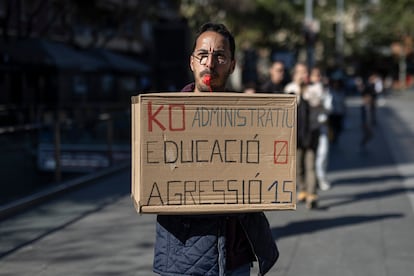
216	244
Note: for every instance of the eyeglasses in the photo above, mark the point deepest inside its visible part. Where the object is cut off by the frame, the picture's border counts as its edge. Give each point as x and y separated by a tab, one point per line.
219	58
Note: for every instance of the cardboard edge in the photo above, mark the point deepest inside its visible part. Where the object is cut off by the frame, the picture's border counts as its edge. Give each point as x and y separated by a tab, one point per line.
132	148
220	94
135	99
191	209
135	147
136	205
200	209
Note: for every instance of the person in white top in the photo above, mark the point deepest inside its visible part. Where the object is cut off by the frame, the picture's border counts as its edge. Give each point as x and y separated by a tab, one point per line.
320	97
307	134
299	80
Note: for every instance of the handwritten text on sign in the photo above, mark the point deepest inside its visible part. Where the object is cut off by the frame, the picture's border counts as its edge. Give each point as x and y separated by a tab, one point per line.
199	155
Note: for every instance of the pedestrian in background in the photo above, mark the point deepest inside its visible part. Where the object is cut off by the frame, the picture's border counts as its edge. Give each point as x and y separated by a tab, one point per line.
300	79
307	136
369	95
375	81
320	98
338	111
276	82
216	244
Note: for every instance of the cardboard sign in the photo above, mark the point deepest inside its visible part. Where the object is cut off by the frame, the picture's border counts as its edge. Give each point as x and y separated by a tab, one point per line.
196	153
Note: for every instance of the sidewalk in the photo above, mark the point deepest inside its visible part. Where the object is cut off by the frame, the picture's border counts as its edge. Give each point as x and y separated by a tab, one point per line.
399	134
363	226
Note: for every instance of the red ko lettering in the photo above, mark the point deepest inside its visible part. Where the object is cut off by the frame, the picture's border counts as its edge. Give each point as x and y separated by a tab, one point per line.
152	117
181	111
176	117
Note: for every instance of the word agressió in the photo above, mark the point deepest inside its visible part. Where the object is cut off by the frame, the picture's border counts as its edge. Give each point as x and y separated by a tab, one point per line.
219	191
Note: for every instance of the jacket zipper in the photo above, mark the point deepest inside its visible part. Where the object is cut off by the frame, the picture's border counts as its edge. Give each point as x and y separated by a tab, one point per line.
220	246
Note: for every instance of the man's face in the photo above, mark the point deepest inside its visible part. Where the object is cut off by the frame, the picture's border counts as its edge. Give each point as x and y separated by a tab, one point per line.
213	49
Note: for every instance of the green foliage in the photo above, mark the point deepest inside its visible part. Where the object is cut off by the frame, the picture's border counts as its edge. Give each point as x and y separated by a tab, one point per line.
391	20
375	24
256	22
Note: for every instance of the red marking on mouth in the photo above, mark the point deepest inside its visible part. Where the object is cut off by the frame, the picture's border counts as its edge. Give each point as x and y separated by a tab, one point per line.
207	79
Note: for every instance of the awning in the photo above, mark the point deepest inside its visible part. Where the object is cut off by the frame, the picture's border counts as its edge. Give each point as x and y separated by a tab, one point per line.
35	52
119	62
40	52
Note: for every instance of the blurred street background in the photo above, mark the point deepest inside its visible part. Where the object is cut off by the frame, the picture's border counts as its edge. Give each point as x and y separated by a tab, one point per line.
68	70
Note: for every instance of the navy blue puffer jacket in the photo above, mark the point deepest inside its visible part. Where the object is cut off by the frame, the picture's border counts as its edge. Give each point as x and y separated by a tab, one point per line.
195	245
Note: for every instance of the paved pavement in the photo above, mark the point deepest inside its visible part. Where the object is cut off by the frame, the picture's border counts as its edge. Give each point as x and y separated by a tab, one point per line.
364	225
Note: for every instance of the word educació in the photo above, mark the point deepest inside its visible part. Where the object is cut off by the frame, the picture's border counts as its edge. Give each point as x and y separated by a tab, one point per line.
203	151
